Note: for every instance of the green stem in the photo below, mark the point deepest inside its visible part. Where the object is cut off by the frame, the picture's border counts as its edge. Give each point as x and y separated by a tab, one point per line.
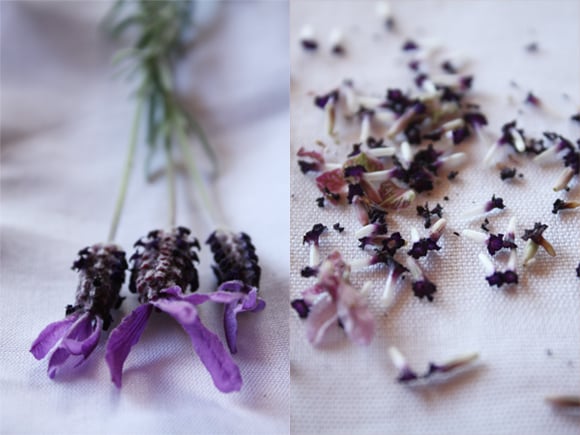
170	182
126	172
198	181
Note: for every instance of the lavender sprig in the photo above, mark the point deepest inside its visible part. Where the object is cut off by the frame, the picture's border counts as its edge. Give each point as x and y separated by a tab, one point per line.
101	269
238	272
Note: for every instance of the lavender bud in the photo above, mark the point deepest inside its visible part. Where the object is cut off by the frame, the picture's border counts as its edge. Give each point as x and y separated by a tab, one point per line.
164	259
101	270
235	257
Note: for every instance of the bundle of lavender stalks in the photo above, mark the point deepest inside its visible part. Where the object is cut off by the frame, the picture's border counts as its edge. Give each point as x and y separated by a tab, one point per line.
163	272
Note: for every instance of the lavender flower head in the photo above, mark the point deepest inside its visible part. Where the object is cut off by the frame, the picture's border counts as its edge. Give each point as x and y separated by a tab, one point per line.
237	272
163	270
101	270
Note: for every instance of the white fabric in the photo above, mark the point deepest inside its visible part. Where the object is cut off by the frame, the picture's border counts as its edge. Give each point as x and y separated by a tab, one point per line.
65	127
344	388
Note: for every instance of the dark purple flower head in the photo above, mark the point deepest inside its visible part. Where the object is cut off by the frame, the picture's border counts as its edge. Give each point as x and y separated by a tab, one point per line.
536	233
309	44
410	45
393	243
164	259
313	236
355	150
101	274
572	160
497	242
322	100
460	134
560	205
475	119
535	146
507	173
338	228
397	101
532	99
500	278
355	171
465	83
308	272
425	213
495	202
235	257
300	307
450	94
354	190
420	79
575	117
448	67
424	289
422	247
414	65
320	202
375	143
578	271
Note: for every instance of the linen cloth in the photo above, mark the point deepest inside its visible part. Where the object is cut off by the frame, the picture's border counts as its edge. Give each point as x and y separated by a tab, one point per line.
66	119
527	337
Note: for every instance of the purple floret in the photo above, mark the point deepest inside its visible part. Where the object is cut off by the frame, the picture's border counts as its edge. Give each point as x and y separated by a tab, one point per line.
320	101
393	243
424	289
410	45
495	202
475	119
422	247
536	233
301	308
459	135
308	271
313	235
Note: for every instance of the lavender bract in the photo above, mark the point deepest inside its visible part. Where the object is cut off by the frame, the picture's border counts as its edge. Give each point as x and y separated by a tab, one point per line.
163	269
101	270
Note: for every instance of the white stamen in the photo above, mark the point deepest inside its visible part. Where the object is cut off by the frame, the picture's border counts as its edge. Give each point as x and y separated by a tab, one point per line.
487	264
366	288
511	230
519	142
453	160
388	296
530	252
365	127
490	153
513	260
330	116
383	9
350	98
414	268
332	166
381	152
453	124
438	228
384	117
365	231
397	358
478	236
473	212
359	263
546	155
415	235
314	255
563	180
335	38
406	152
307	33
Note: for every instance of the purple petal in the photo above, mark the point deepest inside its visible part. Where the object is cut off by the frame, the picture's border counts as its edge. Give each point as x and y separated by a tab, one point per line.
322	316
123	338
78	343
84	336
223	370
355	315
250	302
231	327
50	335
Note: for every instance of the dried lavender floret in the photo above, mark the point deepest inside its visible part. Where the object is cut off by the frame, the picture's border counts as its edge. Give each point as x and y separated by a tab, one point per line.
560	205
101	270
507	173
535	239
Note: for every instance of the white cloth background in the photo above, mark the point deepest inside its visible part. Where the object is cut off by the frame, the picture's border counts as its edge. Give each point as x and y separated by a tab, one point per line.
344	388
65	127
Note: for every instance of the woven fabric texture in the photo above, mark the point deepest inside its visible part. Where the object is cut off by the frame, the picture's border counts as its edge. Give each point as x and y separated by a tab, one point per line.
527	337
